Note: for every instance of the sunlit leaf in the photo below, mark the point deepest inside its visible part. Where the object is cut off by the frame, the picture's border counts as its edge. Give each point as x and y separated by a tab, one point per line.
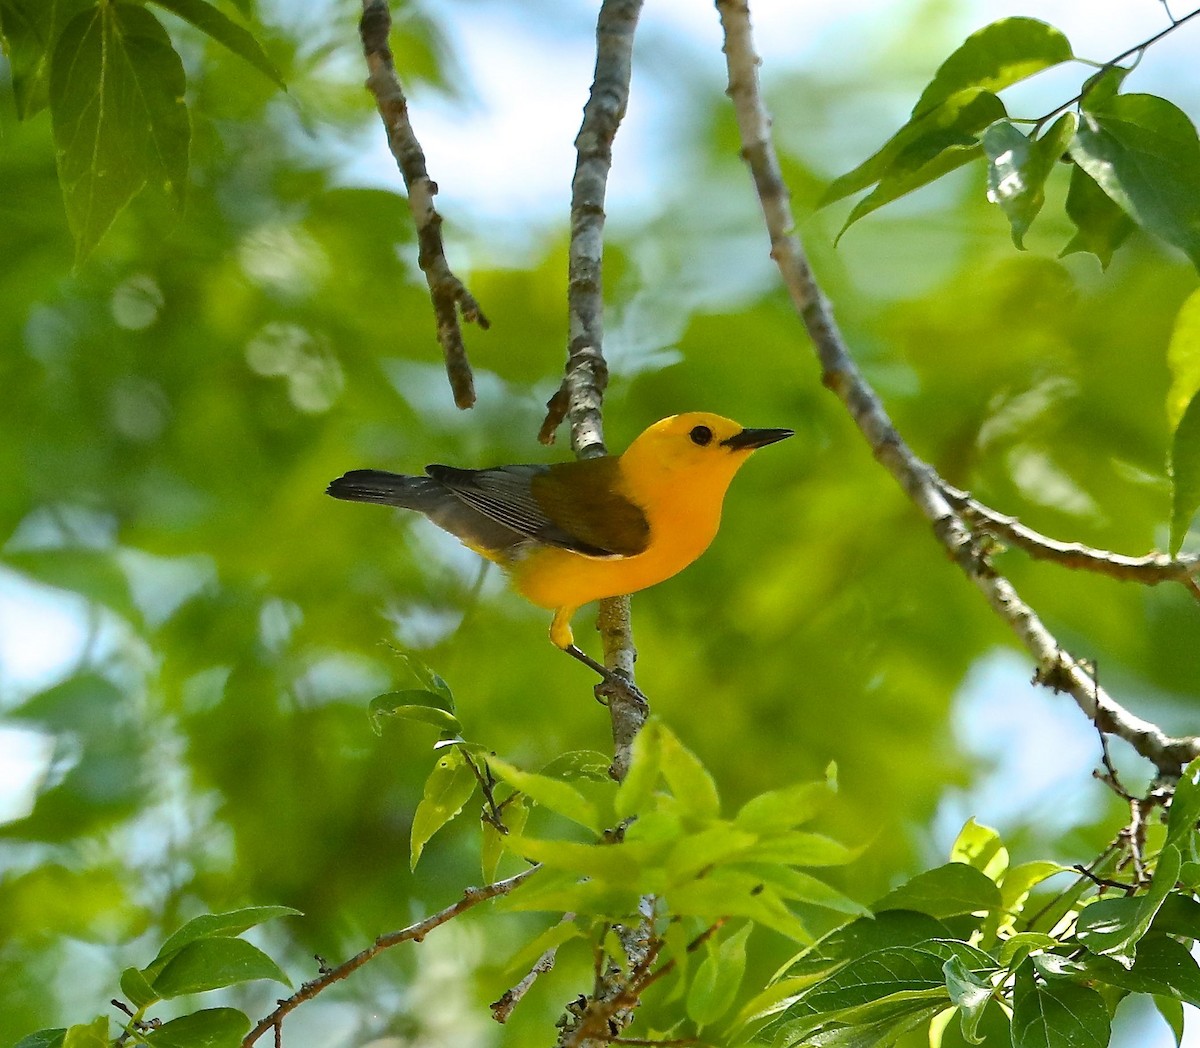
981	847
1184	468
717	979
689	780
995	57
447	789
1018	168
87	1035
913	152
553	794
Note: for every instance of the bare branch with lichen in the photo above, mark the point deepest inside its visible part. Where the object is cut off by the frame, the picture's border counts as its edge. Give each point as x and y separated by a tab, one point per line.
449	295
1055	667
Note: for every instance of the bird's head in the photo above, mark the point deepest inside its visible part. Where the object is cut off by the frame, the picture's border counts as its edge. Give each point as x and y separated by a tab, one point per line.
701	448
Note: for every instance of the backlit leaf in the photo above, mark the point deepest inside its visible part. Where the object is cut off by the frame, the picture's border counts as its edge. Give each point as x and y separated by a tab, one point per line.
116	99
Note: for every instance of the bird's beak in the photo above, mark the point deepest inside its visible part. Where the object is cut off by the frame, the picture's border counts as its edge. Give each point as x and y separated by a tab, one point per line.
749	439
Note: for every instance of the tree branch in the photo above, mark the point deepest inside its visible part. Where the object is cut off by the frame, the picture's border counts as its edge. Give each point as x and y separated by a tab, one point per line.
1150	569
471	897
1055	667
449	295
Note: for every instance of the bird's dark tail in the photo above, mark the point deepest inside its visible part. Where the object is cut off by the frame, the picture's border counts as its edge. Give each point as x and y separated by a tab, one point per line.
389	489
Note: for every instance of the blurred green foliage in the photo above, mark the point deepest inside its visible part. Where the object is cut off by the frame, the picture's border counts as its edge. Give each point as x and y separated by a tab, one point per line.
174	407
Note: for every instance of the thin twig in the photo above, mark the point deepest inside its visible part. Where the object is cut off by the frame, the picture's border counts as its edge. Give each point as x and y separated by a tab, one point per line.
449	295
471	897
1150	569
1104	882
1137	49
1055	667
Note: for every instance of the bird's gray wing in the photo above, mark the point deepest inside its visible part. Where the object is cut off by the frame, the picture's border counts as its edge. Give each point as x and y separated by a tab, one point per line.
505	494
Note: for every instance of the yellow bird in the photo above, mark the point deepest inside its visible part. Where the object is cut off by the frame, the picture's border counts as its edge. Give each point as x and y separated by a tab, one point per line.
574	532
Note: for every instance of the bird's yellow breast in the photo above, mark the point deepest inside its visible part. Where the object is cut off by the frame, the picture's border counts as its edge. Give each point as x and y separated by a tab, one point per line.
683	512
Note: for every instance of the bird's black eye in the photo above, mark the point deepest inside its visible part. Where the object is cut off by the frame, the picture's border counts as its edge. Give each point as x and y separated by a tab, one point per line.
701	435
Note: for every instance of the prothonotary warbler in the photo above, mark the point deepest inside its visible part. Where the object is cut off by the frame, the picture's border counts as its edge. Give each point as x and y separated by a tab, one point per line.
574	532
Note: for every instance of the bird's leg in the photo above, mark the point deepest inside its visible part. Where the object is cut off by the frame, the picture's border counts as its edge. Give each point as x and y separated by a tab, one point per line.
612	678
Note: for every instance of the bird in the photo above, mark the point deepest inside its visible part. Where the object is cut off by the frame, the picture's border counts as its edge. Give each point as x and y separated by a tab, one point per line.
569	533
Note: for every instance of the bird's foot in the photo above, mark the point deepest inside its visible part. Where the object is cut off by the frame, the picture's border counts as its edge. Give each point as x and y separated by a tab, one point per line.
612	680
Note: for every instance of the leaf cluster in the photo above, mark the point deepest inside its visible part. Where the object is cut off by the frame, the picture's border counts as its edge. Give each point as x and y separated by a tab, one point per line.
969	951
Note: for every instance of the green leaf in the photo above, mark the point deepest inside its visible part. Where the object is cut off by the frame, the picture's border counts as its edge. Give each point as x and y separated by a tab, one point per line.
116	99
588	765
1144	153
798	848
137	989
1184	468
424	707
980	846
1057	1014
1018	168
892	970
213	23
1101	226
617	863
970	995
207	1028
803	887
888	929
551	939
44	1039
900	1015
688	779
1103	85
30	29
1183	359
210	963
1112	927
1017	947
1185	804
995	57
734	893
1164	967
633	795
232	922
911	152
427	677
943	892
783	809
1172	1012
713	846
1178	915
515	814
88	1035
561	892
447	789
717	979
556	796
